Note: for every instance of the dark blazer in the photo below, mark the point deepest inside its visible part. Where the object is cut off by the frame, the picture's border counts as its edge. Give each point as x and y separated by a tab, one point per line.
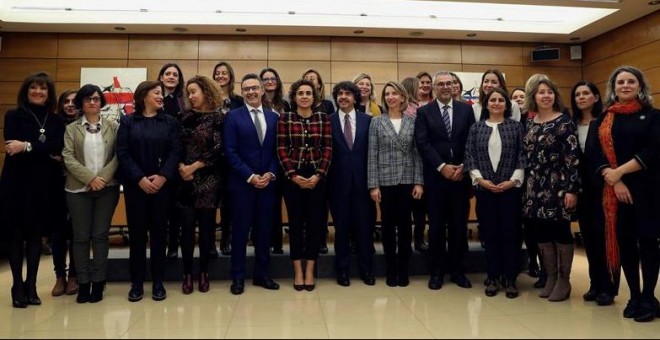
246	156
347	164
433	142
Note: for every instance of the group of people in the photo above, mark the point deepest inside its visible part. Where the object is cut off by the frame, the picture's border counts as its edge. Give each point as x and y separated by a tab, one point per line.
193	147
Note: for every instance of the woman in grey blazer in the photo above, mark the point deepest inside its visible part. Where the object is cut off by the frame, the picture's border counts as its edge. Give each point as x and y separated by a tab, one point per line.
91	190
394	178
495	158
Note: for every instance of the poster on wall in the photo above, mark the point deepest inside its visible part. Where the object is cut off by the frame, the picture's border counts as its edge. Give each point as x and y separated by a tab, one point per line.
471	83
117	85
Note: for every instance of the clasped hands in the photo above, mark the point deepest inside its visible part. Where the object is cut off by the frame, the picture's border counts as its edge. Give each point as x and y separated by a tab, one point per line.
261	181
452	172
495	188
152	184
612	177
306	182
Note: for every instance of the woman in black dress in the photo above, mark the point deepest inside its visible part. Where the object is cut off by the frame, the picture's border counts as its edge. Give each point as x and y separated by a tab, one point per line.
34	138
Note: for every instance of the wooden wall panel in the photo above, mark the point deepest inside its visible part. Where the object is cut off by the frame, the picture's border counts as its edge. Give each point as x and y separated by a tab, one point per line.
93	46
3	110
512	74
361	49
231	48
491	53
303	48
291	71
2	159
241	67
61	86
622	39
163	47
8	92
653	78
411	69
644	57
69	69
379	72
562	76
18	69
29	45
188	67
429	51
3	150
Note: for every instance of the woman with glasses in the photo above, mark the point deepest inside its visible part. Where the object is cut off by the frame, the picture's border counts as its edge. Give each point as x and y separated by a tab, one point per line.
92	193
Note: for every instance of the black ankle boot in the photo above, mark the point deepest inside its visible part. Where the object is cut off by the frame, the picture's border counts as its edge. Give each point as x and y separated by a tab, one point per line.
97	291
18	297
83	293
32	297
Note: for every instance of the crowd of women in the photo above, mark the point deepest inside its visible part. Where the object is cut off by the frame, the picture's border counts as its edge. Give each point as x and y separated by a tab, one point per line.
533	165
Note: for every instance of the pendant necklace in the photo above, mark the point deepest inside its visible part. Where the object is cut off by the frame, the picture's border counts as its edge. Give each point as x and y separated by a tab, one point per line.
42	131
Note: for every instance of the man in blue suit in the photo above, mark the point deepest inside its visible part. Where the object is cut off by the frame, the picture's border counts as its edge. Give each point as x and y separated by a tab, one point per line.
249	142
353	211
441	131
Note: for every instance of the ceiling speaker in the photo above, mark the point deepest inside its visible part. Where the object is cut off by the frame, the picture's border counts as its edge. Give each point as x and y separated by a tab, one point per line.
545	54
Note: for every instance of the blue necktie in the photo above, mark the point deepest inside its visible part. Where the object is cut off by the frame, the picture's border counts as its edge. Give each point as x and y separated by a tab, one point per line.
445	118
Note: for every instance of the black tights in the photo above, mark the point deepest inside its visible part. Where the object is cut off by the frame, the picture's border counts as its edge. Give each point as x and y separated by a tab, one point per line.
634	252
24	244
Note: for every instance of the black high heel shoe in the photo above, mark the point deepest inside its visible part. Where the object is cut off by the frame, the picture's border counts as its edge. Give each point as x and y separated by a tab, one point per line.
18	298
298	287
32	297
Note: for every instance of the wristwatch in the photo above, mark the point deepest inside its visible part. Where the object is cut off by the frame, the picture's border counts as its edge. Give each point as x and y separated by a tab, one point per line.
28	146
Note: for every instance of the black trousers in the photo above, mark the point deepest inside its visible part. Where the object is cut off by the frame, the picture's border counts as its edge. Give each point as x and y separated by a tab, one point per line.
395	210
146	216
419	212
190	219
499	218
307	216
590	218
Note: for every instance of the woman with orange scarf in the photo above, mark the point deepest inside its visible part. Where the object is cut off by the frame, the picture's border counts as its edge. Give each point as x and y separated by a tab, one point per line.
628	158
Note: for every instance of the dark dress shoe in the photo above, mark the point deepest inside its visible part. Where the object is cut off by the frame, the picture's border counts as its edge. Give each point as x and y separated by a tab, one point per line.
590	295
391	281
511	290
32	297
435	282
310	288
136	293
18	298
492	287
204	284
631	309
158	292
343	280
237	287
298	287
84	295
187	285
368	279
403	281
267	283
323	249
278	251
604	299
97	292
422	247
461	281
647	311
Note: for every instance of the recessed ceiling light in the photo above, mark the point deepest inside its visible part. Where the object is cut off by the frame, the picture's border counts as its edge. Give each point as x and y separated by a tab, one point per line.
119	28
574	38
241	30
471	35
358	31
654	2
416	34
180	29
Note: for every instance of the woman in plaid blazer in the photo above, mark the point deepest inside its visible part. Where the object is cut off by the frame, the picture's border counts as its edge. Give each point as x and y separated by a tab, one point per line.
394	178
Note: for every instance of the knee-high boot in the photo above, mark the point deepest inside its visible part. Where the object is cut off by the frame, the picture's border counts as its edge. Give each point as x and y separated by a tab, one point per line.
562	290
549	258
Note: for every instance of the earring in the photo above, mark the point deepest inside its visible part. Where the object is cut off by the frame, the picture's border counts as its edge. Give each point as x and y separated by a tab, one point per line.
614	97
640	95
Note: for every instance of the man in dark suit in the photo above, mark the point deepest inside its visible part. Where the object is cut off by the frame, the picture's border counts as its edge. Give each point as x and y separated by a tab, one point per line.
353	211
441	131
249	143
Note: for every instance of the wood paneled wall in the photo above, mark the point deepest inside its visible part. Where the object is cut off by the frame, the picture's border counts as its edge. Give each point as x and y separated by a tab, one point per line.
636	44
337	59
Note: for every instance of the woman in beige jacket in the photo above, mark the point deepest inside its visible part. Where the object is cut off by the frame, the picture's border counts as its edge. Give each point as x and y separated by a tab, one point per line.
92	192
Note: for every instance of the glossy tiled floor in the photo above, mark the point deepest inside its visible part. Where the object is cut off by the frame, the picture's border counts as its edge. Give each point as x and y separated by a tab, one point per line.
330	311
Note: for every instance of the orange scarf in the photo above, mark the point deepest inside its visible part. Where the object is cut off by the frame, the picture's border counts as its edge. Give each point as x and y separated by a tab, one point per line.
610	202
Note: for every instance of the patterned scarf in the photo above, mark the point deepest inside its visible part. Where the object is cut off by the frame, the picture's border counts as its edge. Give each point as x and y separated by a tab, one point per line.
610	202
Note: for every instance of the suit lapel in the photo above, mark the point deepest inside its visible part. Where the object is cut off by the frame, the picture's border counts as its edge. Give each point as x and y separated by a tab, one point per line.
361	129
436	116
336	129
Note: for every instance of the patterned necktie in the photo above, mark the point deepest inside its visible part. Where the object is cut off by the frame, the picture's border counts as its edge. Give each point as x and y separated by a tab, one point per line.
348	131
445	118
257	125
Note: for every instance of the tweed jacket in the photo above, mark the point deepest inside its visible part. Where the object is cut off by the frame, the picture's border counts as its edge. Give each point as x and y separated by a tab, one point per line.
513	153
78	176
393	157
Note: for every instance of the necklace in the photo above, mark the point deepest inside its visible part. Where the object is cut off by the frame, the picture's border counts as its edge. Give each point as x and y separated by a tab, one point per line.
42	131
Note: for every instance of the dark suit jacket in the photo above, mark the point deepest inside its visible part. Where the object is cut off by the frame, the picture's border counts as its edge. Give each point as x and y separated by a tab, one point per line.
243	152
347	164
433	142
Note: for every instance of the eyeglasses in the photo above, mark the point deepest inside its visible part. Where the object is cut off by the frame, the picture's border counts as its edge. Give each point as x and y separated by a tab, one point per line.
265	80
250	88
92	100
445	84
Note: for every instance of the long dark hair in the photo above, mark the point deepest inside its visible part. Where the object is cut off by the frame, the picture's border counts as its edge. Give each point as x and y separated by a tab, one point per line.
41	78
596	110
278	98
178	90
232	77
485	114
60	106
500	78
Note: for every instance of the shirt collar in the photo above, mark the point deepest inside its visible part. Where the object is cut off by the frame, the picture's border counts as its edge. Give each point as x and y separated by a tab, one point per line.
441	104
350	114
85	121
250	108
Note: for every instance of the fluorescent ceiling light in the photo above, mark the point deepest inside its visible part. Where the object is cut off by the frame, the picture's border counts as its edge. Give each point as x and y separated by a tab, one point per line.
397	14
